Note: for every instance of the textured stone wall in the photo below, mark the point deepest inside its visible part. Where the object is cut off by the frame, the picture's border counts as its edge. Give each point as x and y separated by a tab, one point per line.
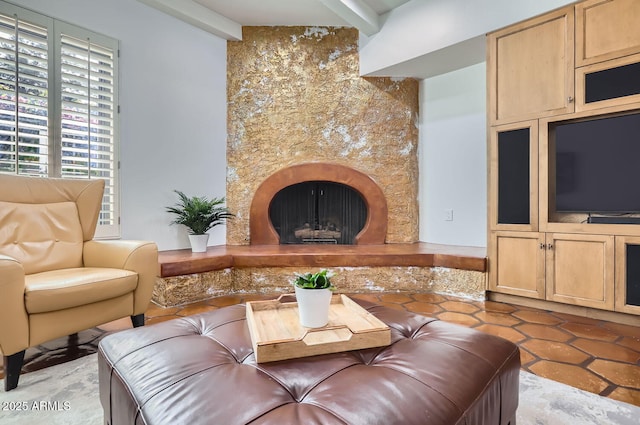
186	289
295	95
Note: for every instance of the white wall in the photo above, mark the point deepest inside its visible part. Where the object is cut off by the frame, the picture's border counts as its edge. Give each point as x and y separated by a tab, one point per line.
173	119
453	171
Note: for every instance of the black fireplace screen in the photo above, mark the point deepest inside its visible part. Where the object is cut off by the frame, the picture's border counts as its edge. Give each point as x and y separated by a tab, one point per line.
318	212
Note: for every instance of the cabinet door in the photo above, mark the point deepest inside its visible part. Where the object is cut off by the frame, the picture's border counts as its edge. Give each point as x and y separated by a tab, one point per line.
513	175
580	269
606	29
628	274
516	263
531	68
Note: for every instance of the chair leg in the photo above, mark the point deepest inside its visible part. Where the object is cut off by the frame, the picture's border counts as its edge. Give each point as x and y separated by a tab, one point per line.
137	320
12	367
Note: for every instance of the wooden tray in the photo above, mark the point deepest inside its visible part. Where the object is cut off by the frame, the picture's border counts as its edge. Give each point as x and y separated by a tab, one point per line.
276	333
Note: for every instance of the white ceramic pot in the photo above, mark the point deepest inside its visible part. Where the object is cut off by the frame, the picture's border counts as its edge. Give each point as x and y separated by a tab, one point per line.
199	242
313	306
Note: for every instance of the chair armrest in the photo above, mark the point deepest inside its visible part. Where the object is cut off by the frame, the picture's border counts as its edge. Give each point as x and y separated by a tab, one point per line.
14	334
138	256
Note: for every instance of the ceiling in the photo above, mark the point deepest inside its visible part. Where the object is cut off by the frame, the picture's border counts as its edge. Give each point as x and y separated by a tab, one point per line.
289	12
225	18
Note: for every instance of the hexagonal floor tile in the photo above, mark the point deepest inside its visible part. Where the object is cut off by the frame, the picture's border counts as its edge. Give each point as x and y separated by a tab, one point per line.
607	350
625	375
394	306
459	318
633	343
499	307
556	351
459	307
577	319
627	395
526	357
589	331
544	332
423	308
621	329
570	375
541	317
496	318
429	298
502	331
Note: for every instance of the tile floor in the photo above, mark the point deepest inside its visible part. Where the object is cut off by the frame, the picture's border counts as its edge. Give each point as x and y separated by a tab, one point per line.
593	355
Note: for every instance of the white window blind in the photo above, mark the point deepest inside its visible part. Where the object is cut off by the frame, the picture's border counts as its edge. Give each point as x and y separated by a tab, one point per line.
24	101
58	104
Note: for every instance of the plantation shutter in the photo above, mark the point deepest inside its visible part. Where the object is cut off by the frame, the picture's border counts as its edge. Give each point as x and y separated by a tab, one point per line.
87	100
58	104
24	103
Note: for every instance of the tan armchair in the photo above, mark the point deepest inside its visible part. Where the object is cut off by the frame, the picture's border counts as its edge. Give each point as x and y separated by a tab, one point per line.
54	279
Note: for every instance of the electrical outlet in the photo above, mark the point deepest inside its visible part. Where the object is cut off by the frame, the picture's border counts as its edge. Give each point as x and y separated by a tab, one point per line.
448	215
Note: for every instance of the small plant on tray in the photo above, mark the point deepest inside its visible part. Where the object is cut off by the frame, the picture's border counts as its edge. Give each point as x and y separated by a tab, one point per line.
319	280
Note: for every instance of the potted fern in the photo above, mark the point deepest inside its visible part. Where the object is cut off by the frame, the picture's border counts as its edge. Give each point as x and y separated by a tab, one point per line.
199	214
313	294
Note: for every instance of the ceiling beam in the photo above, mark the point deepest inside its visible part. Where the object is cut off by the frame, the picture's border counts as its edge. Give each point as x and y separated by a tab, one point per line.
356	13
199	16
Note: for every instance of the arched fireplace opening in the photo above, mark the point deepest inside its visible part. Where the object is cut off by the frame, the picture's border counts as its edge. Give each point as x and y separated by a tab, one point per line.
318	212
374	231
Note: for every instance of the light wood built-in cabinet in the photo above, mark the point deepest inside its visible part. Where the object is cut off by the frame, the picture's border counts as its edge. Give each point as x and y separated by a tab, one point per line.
532	70
574	64
574	269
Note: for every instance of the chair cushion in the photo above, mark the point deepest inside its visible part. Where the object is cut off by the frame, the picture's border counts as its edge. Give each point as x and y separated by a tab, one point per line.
41	236
67	288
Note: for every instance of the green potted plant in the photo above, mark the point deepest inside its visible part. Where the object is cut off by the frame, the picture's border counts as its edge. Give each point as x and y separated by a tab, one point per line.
199	214
313	294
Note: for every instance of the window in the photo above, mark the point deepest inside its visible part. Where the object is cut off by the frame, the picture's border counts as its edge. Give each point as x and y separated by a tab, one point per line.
58	104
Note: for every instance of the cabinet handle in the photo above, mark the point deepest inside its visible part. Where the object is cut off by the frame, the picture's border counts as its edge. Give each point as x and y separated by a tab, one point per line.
570	99
549	246
542	246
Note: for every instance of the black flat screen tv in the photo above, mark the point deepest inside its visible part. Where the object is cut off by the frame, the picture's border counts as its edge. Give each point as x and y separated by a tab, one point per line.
597	165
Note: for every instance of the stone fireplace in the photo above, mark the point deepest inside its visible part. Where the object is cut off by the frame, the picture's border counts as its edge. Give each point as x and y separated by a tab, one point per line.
299	111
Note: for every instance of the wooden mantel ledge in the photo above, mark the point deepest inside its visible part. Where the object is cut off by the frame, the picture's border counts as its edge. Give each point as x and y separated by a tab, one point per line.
421	254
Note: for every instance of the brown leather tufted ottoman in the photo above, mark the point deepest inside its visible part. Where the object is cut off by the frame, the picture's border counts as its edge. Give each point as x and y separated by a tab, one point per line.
201	370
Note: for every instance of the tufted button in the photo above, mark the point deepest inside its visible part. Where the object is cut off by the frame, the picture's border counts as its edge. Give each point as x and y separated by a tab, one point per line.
15	242
57	240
